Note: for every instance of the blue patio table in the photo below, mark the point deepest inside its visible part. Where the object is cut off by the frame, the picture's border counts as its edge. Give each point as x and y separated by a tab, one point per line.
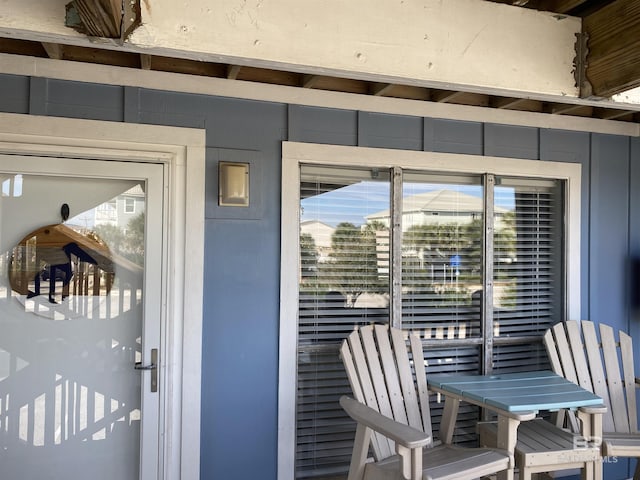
515	397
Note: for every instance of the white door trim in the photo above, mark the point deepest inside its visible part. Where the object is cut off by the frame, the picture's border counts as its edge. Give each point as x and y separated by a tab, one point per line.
182	151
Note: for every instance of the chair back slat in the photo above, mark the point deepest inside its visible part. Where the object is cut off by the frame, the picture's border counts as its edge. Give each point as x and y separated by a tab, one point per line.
580	362
352	372
593	349
380	371
409	397
421	382
362	381
552	351
358	393
614	380
375	371
390	377
564	352
626	354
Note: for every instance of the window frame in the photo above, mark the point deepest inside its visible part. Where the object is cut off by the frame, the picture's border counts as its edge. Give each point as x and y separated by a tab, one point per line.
294	154
129	204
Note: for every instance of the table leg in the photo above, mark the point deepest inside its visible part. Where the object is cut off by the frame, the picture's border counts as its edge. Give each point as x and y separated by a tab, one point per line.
507	437
592	429
448	422
596	429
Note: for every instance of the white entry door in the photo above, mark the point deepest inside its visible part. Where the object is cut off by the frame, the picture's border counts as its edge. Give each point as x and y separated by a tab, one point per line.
80	318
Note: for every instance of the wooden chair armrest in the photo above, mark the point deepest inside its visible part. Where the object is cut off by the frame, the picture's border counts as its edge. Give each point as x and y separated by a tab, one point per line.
601	409
402	434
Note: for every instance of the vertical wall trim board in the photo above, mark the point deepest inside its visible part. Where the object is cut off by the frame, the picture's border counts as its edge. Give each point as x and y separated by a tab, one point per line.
586	228
609	230
575	147
634	242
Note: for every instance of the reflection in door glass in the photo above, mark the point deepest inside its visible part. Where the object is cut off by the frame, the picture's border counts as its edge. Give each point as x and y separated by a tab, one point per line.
442	256
71	322
344	282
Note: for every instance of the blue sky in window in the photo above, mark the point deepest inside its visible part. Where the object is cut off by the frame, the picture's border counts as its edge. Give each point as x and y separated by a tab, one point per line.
353	203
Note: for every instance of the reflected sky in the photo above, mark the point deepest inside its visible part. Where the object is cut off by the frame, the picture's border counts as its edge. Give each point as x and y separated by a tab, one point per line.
353	203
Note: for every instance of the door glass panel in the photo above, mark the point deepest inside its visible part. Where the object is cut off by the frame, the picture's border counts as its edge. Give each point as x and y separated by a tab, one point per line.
71	327
344	282
442	255
528	270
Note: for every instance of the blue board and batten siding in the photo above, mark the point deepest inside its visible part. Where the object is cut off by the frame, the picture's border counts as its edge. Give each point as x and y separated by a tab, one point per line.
242	247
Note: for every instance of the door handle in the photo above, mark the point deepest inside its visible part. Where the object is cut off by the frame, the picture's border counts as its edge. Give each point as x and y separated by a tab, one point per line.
152	367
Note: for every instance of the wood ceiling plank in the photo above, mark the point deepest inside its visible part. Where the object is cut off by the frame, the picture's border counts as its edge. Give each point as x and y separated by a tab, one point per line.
193	67
568	109
611	114
101	56
335	84
445	96
267	75
521	104
559	6
381	89
613	61
460	98
409	92
22	47
506	103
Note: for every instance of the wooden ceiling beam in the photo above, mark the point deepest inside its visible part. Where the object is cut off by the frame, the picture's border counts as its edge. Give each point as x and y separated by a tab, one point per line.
613	59
309	81
145	61
233	71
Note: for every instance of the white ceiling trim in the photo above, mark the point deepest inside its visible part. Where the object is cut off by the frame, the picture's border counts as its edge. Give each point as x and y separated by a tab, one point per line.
176	82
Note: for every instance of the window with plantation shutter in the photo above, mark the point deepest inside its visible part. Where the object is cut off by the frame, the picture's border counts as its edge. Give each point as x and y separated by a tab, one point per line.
475	263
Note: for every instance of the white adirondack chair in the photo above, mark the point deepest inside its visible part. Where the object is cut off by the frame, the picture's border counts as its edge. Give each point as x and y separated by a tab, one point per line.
393	416
604	366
